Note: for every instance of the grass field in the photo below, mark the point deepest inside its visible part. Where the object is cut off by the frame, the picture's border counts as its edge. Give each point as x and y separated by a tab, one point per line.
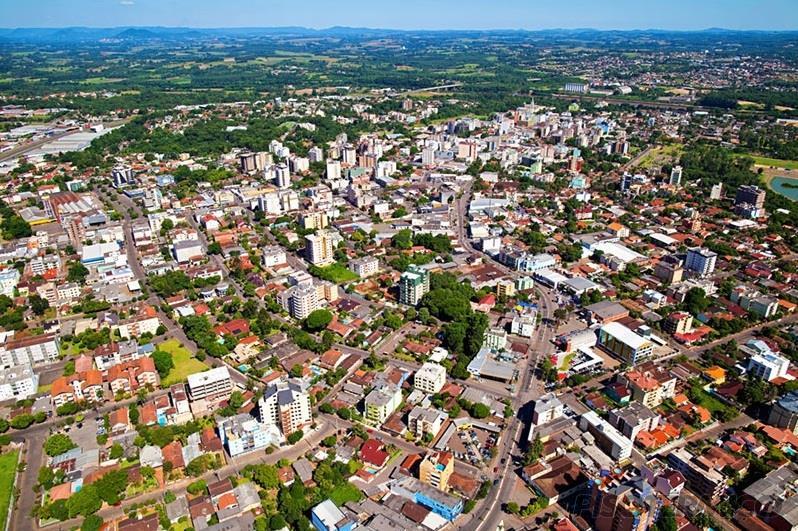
185	363
337	273
661	155
8	469
776	163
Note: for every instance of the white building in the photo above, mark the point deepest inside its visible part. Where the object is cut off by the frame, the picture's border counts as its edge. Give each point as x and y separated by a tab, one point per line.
319	248
495	338
186	250
422	421
768	366
18	383
273	255
381	402
413	285
32	351
286	406
701	261
9	279
608	438
215	384
365	267
430	378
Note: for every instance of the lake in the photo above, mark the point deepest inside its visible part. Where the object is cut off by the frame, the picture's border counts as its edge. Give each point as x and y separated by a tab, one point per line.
777	184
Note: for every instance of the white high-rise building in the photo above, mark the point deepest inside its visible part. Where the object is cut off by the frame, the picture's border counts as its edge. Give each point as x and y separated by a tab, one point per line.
210	385
319	248
333	170
282	176
701	261
286	406
676	176
315	154
428	156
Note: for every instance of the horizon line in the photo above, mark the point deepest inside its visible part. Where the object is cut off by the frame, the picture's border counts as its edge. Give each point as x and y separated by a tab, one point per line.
368	28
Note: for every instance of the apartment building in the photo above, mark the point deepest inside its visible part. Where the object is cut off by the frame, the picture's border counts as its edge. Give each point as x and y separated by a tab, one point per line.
381	402
430	378
286	406
413	285
319	248
365	267
33	351
622	342
422	421
435	470
214	384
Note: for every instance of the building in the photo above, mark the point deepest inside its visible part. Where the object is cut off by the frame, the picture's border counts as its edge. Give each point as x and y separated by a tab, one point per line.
381	402
319	248
577	88
784	412
435	470
615	506
701	477
413	285
774	498
633	419
768	366
285	406
676	176
609	439
30	351
650	384
524	323
439	502
18	383
701	261
187	250
272	256
326	516
423	422
430	378
9	278
547	408
750	194
365	267
622	342
678	323
215	384
495	338
314	220
242	434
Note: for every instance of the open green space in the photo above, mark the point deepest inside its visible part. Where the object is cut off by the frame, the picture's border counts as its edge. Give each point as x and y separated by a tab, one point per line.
185	363
775	163
8	470
337	273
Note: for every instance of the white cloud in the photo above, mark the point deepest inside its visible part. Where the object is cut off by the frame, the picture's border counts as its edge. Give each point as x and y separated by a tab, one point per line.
127	2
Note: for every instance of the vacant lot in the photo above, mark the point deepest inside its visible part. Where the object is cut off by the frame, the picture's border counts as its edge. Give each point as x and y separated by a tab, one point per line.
185	363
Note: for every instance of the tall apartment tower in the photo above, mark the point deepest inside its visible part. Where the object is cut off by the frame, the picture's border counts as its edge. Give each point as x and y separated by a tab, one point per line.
413	285
319	248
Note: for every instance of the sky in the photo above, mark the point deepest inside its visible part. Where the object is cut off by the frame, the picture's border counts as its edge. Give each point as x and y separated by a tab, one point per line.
407	14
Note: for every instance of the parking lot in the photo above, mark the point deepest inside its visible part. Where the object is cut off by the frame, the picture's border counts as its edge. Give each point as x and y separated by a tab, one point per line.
473	446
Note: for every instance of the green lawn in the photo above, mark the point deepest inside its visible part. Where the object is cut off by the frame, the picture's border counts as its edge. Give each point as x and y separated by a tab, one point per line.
185	363
776	163
345	493
8	469
337	273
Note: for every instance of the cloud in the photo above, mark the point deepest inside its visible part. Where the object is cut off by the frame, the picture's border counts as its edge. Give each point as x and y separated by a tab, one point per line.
127	2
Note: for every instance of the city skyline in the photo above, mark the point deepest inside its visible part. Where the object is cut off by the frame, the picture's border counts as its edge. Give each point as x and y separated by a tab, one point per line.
407	15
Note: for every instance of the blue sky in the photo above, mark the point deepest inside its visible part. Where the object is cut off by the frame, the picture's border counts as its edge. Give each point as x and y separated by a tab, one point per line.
406	14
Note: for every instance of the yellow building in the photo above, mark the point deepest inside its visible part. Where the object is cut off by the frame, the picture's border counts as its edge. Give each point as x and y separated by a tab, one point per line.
436	468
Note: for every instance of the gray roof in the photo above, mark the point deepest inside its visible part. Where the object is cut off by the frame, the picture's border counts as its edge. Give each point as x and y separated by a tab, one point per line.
177	509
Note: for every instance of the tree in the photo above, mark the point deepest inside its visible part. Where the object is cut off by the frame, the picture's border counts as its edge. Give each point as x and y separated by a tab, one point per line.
480	411
511	508
295	437
116	451
666	521
318	320
327	408
163	362
403	239
277	522
58	444
111	487
77	273
84	502
92	523
37	304
198	487
20	422
534	451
